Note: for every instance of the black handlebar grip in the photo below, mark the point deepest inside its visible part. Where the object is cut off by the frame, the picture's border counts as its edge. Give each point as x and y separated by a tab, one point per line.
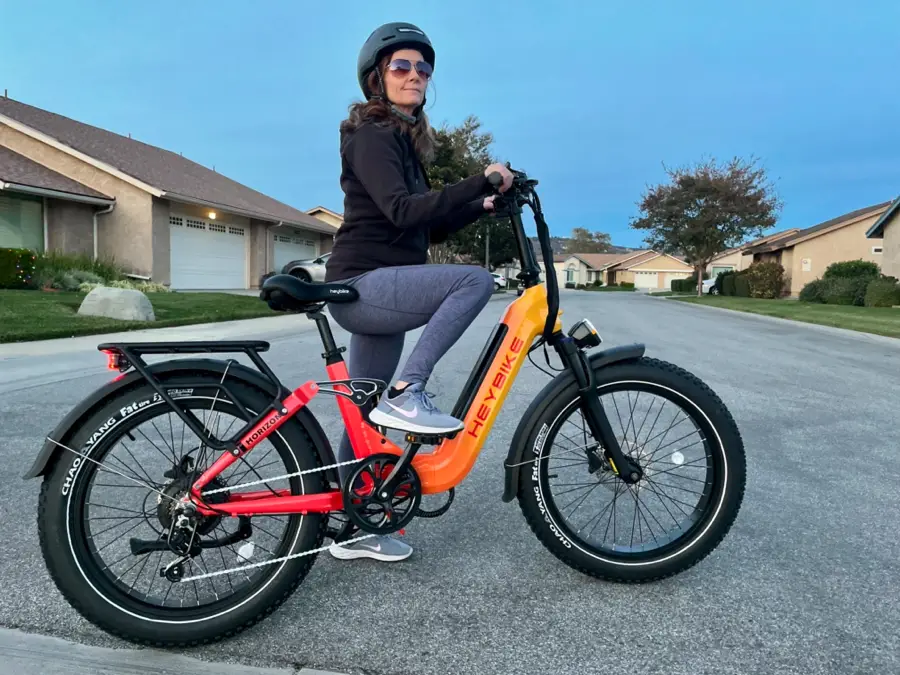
495	179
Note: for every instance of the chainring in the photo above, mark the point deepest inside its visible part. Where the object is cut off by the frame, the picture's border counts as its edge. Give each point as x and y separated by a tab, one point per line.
363	503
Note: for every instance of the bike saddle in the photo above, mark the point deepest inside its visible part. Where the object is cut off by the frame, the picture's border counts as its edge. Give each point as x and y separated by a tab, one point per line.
285	293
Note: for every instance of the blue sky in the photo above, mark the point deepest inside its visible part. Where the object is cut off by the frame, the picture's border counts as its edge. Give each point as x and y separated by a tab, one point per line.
590	98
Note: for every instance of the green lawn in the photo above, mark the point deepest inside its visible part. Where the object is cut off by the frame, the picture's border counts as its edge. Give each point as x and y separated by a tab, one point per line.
37	315
877	320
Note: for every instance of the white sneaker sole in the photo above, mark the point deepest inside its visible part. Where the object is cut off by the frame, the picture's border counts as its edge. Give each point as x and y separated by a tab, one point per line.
382	419
342	553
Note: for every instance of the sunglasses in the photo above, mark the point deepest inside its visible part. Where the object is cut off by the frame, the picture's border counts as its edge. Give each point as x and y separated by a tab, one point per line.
405	66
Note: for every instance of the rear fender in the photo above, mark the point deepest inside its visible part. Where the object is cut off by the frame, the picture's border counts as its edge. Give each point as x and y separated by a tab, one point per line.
516	453
50	451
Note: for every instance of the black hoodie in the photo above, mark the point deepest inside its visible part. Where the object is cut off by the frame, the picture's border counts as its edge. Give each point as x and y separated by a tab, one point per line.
390	214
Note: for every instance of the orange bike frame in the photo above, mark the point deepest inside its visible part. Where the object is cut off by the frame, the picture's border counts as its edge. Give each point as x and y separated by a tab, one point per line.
438	471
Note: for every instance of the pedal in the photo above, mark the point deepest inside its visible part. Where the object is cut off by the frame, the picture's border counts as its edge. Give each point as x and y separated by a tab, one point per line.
423	439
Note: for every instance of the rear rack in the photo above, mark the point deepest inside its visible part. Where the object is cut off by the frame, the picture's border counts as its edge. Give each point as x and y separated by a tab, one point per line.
125	355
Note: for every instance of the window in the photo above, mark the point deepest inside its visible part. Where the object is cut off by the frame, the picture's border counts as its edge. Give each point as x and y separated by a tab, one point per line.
876	250
22	223
570	275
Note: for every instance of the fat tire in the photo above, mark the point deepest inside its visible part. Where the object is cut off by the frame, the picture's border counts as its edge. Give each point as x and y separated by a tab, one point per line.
697	392
53	527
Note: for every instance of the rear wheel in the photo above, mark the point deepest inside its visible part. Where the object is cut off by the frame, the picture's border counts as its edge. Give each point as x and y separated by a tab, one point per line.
688	447
89	516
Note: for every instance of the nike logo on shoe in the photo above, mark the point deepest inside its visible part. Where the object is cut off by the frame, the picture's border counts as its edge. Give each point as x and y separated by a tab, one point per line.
411	414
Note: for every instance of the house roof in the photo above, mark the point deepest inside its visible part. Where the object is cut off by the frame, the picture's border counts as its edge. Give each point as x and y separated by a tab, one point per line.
21	174
877	229
601	261
796	236
325	210
154	169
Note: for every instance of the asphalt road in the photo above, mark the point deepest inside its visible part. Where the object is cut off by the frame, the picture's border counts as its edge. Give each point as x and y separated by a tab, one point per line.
806	582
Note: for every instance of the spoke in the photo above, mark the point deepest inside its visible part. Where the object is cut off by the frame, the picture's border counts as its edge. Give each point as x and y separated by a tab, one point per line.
133	475
164	455
112	527
115	508
174	458
693	492
131	529
660	495
140	572
640	511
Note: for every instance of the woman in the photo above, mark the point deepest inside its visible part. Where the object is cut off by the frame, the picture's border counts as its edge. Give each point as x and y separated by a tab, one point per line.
390	218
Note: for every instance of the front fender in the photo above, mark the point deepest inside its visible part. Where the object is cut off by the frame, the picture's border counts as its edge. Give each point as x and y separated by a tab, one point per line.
50	451
548	393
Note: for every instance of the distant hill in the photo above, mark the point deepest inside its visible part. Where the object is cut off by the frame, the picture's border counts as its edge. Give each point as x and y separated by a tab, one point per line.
560	244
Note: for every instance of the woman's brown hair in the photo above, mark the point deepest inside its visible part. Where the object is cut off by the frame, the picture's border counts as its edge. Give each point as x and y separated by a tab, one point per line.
378	110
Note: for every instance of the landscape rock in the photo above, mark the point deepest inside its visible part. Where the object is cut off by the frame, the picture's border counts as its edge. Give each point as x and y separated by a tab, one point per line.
117	303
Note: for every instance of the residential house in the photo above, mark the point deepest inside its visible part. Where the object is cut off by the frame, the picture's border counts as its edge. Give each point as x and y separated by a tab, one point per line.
733	259
887	230
805	254
332	218
72	187
646	269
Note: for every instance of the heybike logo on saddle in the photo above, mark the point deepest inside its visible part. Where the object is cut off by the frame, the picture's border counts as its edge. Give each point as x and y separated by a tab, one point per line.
497	383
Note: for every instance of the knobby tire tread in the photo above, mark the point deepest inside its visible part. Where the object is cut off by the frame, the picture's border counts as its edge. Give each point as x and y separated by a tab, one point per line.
536	522
112	628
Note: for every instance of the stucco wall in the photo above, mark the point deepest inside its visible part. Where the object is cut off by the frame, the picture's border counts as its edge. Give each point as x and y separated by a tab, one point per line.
70	227
162	249
890	257
124	234
846	243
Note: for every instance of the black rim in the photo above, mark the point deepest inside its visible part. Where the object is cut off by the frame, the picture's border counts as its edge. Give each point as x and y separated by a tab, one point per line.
106	510
678	452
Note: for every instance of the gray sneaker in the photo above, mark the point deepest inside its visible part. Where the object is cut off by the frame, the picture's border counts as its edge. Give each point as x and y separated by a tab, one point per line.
379	547
413	411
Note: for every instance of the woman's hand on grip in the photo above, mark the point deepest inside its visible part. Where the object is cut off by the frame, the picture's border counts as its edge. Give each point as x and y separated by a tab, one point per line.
504	173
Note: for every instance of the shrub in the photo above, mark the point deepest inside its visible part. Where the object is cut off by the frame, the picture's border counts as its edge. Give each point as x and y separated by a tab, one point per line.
766	279
720	281
850	269
570	284
814	291
741	285
884	292
627	284
597	283
728	283
16	268
54	262
845	291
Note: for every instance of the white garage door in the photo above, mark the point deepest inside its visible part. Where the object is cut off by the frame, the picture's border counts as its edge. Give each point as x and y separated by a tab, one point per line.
645	279
292	248
207	254
671	276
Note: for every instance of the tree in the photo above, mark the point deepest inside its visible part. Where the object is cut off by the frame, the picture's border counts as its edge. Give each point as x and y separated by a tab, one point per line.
585	241
707	209
460	152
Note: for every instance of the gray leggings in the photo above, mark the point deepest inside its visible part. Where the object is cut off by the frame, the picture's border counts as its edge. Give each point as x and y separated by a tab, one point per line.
393	300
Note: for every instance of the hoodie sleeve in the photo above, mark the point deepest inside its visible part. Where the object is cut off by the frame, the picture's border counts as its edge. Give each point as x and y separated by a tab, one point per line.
376	158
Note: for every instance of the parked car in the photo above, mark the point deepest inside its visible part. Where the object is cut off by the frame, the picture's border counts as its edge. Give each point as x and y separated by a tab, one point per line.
312	269
709	287
499	280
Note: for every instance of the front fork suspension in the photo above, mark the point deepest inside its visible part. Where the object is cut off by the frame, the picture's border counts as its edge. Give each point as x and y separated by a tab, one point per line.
576	361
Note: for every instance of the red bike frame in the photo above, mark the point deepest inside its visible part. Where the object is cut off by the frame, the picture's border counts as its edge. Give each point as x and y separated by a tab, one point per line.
438	471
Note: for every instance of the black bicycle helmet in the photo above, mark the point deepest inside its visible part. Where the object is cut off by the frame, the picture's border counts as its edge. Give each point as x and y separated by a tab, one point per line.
390	37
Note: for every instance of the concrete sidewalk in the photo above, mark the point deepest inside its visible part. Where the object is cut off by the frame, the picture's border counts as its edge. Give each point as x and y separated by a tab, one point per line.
28	654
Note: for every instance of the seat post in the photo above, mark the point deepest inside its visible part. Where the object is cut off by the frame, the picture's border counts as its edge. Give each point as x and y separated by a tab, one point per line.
332	352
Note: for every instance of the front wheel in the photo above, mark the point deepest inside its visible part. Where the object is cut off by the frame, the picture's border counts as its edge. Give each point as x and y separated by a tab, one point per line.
691	454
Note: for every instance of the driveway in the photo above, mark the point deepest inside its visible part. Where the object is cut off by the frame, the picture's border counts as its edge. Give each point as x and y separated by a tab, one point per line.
805	582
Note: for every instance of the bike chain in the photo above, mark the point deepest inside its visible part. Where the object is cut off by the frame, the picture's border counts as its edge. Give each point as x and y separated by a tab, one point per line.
233	570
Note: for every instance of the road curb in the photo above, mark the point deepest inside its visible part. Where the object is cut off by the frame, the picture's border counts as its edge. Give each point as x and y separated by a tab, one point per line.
33	654
832	330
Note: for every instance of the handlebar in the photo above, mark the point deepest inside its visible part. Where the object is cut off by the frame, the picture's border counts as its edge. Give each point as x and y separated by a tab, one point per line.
519	194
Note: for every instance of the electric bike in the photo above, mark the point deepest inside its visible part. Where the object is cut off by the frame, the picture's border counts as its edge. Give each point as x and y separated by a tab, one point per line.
165	524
